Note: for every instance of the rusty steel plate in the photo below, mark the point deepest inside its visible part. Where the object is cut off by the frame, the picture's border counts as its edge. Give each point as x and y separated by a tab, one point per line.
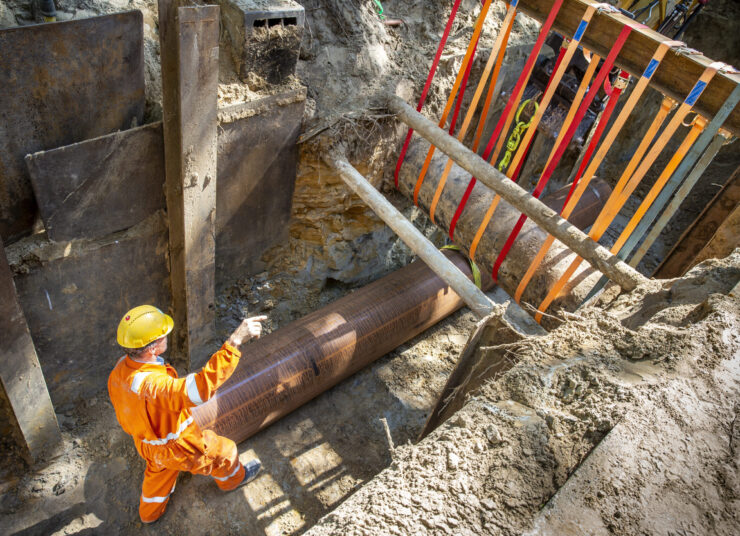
255	187
63	83
97	187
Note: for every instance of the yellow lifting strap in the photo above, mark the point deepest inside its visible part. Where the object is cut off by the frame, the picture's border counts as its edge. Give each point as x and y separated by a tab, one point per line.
473	267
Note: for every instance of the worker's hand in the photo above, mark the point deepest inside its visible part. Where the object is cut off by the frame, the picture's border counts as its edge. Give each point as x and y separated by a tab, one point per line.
250	328
254	326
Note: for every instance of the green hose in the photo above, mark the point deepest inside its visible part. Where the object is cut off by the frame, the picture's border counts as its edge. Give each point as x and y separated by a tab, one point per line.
380	9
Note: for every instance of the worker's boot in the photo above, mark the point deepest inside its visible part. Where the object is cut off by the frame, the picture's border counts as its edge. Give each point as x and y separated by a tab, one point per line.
251	469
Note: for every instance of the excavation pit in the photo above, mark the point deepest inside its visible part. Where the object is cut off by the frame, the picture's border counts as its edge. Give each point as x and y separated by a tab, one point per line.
575	427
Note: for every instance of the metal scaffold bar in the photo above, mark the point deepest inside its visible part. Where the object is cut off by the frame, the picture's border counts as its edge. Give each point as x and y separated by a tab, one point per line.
473	297
549	220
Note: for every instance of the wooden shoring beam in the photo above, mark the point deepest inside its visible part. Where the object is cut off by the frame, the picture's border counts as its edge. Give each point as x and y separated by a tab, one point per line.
687	251
596	255
21	375
678	72
189	48
473	297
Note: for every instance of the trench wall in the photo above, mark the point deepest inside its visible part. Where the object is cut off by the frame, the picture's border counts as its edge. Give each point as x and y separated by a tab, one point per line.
328	237
74	292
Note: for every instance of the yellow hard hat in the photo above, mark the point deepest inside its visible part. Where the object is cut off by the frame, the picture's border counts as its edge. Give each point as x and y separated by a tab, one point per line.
142	325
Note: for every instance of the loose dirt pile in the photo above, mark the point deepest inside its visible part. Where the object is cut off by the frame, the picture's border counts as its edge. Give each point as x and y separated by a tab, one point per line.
612	423
648	392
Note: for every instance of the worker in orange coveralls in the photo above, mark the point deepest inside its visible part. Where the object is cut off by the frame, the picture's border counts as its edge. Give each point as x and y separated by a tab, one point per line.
153	405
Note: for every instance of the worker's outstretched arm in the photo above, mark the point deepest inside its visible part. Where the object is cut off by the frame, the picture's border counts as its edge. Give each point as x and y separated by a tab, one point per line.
196	388
223	363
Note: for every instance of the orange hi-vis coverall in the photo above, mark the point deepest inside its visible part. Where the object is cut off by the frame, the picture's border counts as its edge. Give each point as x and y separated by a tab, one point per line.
153	405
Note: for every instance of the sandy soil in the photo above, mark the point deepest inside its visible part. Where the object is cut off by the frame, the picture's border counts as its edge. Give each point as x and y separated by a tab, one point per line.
601	393
634	376
621	421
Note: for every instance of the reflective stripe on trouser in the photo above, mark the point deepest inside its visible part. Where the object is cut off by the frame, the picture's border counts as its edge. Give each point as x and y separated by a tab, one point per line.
219	459
155	492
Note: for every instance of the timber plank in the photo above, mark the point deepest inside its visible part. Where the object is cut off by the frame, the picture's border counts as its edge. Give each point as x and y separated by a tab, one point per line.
677	72
687	252
20	373
189	44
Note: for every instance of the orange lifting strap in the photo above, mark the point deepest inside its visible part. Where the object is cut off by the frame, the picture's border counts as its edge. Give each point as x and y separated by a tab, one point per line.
451	99
627	184
571	113
629	106
562	65
508	20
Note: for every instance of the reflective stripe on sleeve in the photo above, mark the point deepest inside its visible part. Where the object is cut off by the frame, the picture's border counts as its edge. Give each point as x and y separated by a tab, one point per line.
172	435
146	499
225	478
138	381
192	387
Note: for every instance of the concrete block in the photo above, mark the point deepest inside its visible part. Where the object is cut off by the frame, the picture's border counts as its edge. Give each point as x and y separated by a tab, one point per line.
265	37
100	186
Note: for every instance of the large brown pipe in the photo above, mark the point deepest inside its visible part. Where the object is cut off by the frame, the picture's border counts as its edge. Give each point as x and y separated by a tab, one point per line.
285	369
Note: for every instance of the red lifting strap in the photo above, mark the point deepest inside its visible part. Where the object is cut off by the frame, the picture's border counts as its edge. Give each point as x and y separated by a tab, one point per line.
515	175
608	62
523	78
510	104
461	206
463	86
613	93
428	84
471	184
